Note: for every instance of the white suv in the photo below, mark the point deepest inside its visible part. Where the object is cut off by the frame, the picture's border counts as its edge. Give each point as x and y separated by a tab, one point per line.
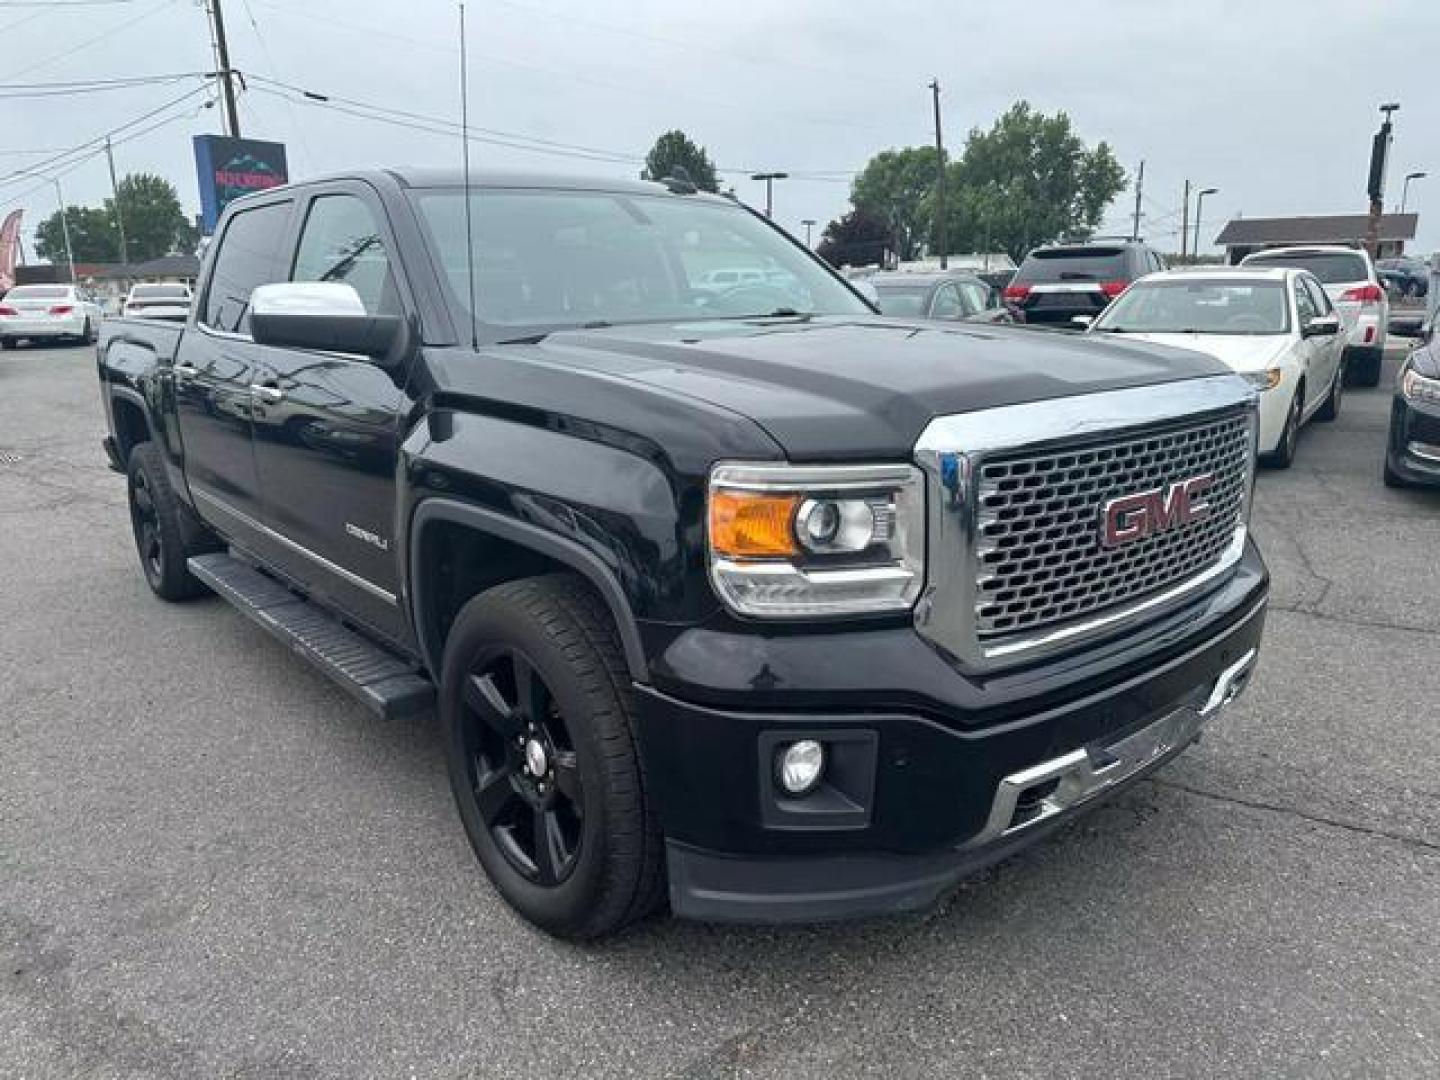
1350	281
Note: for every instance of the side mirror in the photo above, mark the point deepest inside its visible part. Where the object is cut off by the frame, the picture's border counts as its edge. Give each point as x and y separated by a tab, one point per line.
1321	326
323	315
1081	322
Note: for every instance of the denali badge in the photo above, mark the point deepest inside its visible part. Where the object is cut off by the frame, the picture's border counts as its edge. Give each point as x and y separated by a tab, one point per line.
369	537
1134	517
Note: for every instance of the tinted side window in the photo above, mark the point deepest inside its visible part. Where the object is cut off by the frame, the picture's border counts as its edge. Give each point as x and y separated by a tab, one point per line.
249	256
342	242
973	297
1304	303
1317	294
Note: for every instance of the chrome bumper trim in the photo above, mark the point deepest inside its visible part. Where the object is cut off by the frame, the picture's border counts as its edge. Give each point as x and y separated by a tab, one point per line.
1086	773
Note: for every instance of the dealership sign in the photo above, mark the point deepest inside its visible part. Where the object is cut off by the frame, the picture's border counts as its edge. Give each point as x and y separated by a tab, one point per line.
230	168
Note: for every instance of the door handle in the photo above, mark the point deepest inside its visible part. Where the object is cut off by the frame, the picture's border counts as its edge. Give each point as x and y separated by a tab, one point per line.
267	393
186	371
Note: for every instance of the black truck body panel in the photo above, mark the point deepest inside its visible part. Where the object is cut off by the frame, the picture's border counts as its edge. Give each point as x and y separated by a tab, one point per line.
591	450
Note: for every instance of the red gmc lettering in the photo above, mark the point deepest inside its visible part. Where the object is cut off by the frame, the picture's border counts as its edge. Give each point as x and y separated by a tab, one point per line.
1133	517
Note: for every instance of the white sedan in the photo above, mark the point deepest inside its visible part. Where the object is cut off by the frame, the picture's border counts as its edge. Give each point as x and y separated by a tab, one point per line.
1275	327
48	313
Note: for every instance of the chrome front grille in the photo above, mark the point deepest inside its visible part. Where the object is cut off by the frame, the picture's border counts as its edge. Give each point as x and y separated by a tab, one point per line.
1016	566
1038	556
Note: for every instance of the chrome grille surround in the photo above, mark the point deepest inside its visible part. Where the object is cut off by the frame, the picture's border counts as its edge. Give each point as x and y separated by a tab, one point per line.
1013	578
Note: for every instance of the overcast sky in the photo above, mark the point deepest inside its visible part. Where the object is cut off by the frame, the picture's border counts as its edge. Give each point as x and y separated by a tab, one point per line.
1271	101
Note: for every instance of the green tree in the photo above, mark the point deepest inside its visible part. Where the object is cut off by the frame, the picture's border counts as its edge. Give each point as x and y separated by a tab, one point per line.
1029	180
92	236
858	238
896	186
675	148
155	225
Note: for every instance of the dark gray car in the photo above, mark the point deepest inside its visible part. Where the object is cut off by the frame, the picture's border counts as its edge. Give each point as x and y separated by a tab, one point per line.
948	296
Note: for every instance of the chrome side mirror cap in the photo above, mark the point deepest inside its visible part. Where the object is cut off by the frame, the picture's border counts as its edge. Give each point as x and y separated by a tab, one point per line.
325	316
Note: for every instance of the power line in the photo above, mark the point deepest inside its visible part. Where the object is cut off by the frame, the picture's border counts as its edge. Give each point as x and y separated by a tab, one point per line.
107	35
76	88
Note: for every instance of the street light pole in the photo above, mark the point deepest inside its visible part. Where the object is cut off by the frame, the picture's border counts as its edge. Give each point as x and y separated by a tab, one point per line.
940	238
769	178
1199	200
65	227
1375	187
809	223
1405	191
1185	220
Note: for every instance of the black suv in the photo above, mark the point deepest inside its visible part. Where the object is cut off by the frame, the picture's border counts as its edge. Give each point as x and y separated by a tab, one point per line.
1056	283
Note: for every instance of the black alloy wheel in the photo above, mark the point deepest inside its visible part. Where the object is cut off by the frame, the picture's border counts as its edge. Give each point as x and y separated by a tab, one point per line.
149	540
523	772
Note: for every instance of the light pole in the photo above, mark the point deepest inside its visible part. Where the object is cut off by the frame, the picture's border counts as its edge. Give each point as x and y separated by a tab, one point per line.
1199	200
809	224
1405	191
770	178
65	227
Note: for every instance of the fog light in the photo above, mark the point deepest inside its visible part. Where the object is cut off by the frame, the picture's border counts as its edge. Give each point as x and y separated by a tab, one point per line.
801	764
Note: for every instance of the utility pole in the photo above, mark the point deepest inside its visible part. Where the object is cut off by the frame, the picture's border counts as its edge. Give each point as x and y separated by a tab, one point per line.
1185	220
65	227
1139	190
119	216
770	178
940	243
227	76
1379	158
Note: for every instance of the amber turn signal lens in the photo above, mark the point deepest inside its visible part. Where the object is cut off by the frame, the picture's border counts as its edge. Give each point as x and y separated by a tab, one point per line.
752	525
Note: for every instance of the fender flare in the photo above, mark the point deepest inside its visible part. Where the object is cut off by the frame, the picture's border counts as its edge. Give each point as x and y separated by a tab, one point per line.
559	548
125	393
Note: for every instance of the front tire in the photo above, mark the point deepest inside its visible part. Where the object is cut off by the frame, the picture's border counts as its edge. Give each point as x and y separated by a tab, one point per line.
1283	455
537	716
165	537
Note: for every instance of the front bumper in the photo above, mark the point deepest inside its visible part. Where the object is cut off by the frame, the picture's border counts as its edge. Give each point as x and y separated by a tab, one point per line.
1413	449
947	792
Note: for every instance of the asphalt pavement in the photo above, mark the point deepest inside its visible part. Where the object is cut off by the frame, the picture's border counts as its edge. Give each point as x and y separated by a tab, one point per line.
212	864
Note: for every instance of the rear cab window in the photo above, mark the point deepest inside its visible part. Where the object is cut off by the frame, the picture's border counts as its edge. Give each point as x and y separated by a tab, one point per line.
250	255
1089	263
1330	267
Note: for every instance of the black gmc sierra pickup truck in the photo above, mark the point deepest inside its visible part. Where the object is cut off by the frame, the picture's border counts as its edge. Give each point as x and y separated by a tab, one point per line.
739	595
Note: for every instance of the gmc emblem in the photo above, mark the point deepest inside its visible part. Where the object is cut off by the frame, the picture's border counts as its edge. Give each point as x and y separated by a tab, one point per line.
1134	517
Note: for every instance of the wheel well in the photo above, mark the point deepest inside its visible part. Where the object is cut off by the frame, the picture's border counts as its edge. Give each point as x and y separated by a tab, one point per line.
460	563
130	426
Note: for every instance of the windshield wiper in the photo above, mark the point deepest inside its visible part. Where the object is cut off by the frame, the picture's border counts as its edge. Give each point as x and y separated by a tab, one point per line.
778	313
539	336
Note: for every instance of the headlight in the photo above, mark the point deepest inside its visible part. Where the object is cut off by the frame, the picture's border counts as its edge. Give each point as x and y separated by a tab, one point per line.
1264	380
796	541
1418	387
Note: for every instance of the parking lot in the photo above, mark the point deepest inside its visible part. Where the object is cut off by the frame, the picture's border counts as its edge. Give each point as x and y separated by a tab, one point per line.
214	864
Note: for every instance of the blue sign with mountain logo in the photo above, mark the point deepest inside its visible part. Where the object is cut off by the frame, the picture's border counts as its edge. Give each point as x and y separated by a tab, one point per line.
229	168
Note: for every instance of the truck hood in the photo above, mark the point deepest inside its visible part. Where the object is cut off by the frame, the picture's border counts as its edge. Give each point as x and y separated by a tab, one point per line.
835	388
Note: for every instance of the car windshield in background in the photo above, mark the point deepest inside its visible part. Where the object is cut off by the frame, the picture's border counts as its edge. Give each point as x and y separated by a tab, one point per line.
1332	268
551	260
905	301
160	292
39	292
1073	264
1198	307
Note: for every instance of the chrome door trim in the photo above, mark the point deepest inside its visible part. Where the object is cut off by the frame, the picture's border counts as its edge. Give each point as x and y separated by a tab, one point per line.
299	549
950	451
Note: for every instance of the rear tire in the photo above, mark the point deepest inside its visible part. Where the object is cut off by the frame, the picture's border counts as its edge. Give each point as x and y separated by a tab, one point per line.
538	720
166	534
8	343
91	335
1363	366
1394	479
1330	410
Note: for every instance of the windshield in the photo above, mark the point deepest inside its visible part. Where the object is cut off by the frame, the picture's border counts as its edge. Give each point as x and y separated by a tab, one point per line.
548	260
160	292
39	292
1198	307
904	301
1332	268
1074	264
